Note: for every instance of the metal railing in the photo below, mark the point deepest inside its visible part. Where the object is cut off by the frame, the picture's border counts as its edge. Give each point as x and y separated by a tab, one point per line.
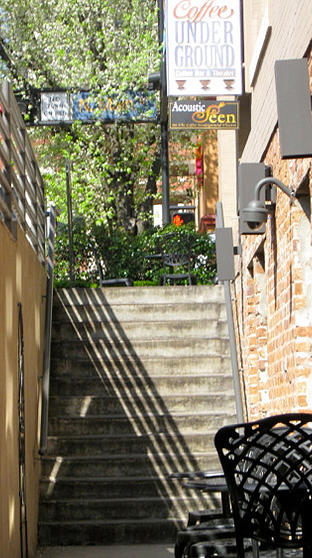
51	230
21	185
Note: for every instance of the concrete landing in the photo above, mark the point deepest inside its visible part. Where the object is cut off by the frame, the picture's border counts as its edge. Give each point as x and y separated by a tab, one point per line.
133	551
116	551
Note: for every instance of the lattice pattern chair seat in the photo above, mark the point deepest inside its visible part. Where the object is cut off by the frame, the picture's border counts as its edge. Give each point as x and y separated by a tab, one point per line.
268	468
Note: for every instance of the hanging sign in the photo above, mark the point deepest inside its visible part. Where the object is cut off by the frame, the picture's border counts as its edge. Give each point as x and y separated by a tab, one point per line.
136	106
55	106
204	115
64	107
204	47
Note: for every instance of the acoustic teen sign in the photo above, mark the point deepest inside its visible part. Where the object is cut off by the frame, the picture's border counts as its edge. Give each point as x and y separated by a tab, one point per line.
204	51
204	115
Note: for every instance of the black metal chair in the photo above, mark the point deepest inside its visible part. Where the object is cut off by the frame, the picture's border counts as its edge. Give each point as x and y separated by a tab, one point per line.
268	469
209	530
176	253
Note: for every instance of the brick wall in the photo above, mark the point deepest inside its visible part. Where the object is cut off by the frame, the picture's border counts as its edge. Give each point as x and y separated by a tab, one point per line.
274	296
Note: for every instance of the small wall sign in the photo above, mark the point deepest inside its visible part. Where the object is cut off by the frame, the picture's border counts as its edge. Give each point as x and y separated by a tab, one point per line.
204	115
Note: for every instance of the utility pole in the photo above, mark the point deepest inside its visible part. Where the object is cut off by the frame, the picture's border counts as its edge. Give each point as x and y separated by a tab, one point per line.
163	120
70	220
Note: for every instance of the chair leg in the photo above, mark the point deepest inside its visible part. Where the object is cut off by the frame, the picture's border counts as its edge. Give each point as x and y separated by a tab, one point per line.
255	549
240	547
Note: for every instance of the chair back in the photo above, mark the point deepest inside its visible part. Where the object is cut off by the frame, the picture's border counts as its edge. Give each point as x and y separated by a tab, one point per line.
176	253
178	259
178	247
268	469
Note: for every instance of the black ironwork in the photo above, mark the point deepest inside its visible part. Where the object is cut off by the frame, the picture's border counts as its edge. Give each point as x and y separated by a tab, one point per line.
268	469
176	253
209	531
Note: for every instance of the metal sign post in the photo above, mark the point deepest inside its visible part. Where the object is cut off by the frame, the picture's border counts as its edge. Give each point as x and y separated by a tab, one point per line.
231	328
70	221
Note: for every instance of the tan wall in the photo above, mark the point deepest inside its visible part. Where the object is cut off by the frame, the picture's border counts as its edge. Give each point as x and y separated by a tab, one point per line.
291	24
22	280
227	176
209	190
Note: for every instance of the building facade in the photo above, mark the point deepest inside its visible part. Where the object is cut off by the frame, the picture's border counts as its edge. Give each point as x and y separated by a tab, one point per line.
23	281
272	288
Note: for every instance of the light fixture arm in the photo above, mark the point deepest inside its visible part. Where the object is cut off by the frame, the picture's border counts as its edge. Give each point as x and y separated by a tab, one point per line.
271	180
256	212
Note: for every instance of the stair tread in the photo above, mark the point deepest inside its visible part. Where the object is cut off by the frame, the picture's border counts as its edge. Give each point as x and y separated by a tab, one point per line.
108	295
160	302
109	474
135	415
115	500
116	339
142	376
107	479
135	396
123	436
116	457
112	521
132	357
66	319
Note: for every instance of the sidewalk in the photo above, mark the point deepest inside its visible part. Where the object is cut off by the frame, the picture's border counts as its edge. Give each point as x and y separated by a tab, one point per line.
116	551
132	551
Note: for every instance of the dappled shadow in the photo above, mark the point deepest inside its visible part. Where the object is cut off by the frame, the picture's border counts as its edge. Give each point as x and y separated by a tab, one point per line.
119	384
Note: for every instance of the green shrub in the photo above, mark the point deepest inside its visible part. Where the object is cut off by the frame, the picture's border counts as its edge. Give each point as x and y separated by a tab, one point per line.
120	254
84	268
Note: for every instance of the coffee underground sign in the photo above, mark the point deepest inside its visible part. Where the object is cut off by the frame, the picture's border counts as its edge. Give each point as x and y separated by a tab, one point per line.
204	115
203	47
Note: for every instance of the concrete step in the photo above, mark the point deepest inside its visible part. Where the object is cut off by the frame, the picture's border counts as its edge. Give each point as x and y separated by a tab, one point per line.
122	508
134	465
139	329
140	382
173	366
138	295
139	348
146	387
116	487
123	445
140	311
138	424
101	532
92	405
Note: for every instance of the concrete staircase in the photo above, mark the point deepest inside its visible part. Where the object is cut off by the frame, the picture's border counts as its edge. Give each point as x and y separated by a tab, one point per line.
140	381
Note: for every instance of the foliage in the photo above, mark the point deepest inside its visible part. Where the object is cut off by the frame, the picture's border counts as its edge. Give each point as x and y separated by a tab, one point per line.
107	48
84	269
121	254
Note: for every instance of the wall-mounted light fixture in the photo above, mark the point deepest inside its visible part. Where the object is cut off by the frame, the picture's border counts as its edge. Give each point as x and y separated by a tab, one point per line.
256	212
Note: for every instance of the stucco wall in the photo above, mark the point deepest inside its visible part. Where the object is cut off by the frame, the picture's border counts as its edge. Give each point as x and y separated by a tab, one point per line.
291	24
22	280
